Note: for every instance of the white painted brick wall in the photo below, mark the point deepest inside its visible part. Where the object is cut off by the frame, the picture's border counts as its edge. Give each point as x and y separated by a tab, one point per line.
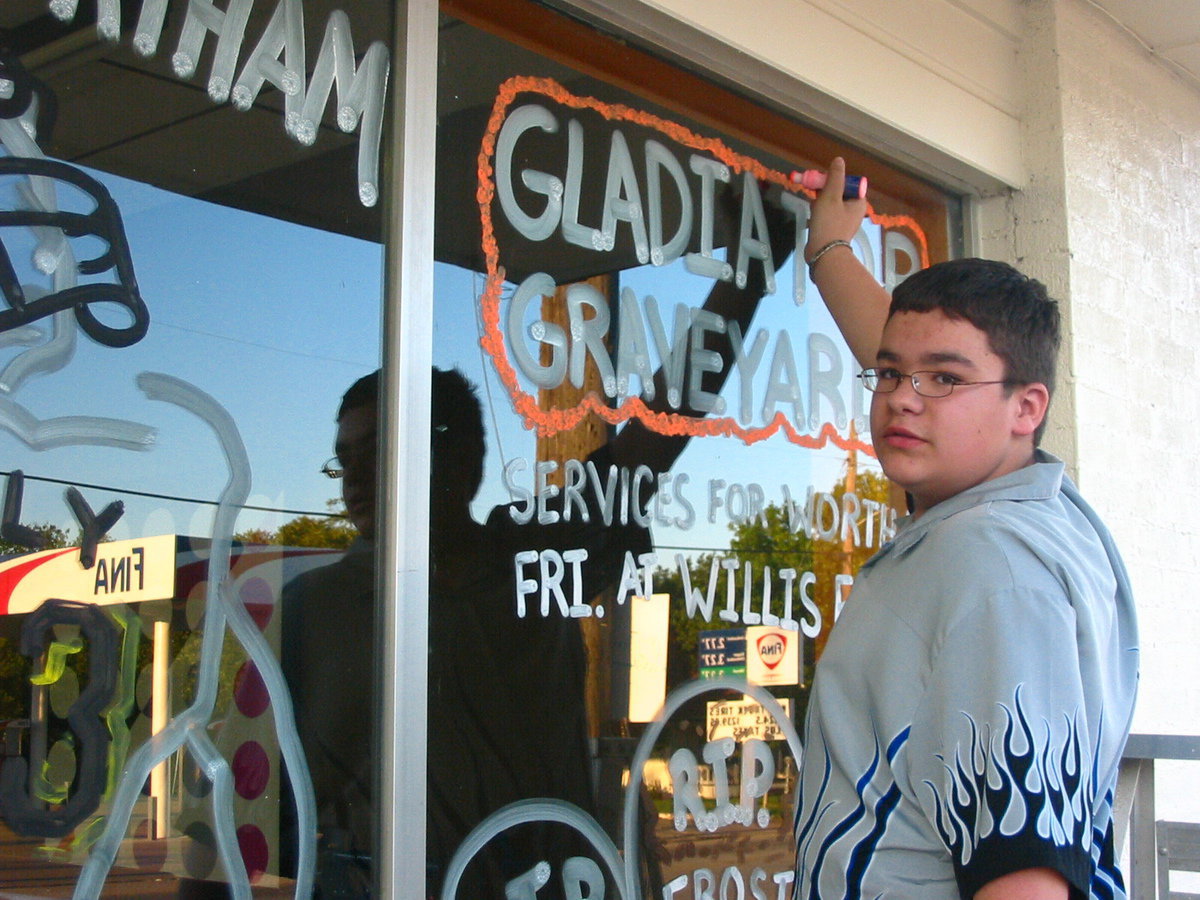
1112	145
1110	220
1131	140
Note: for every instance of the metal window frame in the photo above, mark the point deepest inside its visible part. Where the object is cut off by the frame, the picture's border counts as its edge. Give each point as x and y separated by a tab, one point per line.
402	576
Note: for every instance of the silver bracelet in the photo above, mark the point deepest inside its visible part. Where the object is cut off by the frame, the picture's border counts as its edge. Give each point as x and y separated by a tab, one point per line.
816	256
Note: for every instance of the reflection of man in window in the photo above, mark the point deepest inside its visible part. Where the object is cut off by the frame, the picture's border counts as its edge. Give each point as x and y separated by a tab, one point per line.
327	655
328	658
507	718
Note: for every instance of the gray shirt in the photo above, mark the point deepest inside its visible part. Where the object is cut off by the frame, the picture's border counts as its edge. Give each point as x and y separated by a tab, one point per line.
972	703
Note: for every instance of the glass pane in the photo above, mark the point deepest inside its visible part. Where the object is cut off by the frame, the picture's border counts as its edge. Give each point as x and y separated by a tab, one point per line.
652	483
186	609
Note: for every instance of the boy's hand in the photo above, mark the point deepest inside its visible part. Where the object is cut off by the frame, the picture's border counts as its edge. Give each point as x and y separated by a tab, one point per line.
857	302
832	218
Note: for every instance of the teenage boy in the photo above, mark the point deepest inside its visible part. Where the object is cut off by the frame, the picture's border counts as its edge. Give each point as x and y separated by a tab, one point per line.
971	706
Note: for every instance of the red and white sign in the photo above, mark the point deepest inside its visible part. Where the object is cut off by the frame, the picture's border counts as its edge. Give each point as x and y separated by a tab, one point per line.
772	655
124	572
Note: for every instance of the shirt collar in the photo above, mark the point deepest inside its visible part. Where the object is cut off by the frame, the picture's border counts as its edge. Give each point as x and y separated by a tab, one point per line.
1040	480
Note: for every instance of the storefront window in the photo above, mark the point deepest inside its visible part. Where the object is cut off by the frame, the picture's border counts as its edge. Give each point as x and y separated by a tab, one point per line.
190	259
652	480
650	487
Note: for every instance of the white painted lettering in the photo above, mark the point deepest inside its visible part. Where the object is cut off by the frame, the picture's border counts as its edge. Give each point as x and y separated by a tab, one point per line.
546	491
519	121
841	590
361	89
704	263
693	600
623	200
753	238
525	586
811	627
788	575
361	86
659	157
519	494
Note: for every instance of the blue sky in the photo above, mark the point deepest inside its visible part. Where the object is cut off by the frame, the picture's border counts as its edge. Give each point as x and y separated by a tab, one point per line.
275	320
272	319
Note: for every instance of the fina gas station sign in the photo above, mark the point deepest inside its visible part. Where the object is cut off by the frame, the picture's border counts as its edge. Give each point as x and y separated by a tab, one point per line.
773	655
763	654
123	572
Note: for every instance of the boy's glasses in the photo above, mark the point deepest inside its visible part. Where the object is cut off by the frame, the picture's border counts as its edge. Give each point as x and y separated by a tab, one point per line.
927	384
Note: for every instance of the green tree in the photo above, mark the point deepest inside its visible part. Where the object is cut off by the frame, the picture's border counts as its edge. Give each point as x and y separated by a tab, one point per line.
683	630
778	539
15	669
770	541
310	531
14	678
845	556
330	531
51	535
255	536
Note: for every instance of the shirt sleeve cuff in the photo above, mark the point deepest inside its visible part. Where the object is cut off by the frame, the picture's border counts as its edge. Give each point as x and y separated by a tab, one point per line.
997	855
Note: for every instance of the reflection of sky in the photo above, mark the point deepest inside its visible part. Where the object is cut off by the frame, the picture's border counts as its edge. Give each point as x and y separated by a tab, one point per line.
272	319
275	321
771	463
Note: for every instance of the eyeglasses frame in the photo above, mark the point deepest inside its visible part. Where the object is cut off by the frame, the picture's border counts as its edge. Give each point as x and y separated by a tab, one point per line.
915	381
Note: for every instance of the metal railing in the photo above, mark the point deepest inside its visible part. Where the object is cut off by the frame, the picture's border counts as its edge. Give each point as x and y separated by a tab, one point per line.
1156	847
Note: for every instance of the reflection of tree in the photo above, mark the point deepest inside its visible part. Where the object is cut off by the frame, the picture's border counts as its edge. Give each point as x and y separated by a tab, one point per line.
833	558
185	669
682	629
333	531
777	540
15	668
14	679
52	537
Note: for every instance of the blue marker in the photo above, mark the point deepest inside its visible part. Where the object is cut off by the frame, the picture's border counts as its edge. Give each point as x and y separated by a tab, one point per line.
814	180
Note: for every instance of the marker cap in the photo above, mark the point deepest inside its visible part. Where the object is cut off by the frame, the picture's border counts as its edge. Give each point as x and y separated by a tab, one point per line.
814	180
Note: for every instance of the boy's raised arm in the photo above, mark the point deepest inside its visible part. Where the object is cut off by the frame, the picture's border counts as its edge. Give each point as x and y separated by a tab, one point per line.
858	303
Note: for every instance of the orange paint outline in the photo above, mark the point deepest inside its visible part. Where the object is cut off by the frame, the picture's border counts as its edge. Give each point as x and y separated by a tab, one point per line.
547	422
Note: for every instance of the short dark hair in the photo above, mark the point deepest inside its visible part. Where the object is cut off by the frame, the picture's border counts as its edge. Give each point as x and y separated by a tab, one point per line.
364	392
457	422
460	442
1021	321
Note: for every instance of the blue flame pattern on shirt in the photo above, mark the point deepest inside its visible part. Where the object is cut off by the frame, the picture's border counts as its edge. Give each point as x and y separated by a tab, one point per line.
1019	783
887	798
1024	783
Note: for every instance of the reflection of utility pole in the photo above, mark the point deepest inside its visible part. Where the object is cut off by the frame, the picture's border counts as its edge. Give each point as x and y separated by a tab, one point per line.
159	716
607	637
578	443
851	487
845	557
39	742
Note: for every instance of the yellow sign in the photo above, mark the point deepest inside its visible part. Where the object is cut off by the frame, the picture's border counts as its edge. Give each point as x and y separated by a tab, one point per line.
124	572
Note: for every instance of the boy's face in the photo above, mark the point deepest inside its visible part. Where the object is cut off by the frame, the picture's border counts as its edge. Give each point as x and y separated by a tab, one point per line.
936	447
